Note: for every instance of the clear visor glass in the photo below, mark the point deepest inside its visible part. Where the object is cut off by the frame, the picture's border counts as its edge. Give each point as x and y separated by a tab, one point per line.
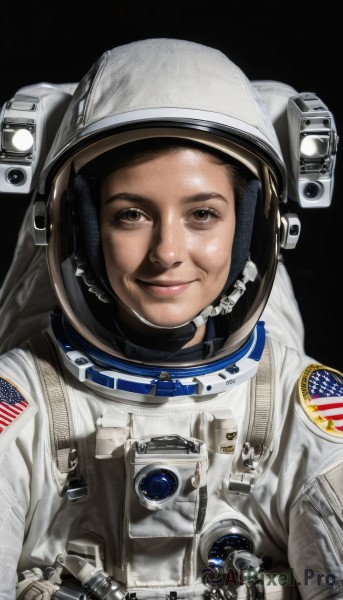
73	298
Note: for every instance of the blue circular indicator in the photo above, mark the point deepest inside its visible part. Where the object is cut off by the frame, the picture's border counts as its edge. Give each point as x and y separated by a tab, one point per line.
158	484
221	548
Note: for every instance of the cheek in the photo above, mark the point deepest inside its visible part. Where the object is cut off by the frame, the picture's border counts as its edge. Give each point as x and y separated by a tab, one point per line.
220	260
121	255
215	254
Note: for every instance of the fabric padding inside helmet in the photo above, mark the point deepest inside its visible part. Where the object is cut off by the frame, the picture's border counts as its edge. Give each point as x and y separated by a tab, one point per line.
245	215
89	227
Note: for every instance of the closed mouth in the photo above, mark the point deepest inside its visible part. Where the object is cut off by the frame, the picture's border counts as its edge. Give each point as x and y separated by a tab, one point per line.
164	288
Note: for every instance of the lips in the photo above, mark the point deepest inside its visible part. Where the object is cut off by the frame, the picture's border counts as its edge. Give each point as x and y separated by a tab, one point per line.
164	288
164	283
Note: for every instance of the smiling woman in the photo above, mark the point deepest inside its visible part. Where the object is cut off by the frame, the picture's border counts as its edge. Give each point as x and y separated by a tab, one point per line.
176	213
166	213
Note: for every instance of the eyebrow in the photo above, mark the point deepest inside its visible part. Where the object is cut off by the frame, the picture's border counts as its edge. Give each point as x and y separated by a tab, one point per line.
200	197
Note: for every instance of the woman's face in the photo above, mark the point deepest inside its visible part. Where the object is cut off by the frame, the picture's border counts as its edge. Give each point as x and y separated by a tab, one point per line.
167	228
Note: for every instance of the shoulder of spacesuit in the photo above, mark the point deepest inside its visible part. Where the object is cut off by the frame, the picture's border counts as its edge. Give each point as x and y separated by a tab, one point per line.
18	384
320	395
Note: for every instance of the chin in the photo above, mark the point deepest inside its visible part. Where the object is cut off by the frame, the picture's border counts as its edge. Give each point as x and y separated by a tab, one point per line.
167	322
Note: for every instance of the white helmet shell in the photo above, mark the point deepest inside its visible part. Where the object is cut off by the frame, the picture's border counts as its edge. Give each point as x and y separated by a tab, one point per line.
163	80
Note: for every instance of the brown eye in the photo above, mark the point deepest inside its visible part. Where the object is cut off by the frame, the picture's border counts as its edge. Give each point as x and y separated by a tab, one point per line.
131	215
205	215
202	215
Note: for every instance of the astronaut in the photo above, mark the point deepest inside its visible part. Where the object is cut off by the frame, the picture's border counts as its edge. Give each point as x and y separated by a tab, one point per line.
166	436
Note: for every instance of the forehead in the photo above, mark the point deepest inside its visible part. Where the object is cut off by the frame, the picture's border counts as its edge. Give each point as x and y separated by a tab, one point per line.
175	158
144	152
183	172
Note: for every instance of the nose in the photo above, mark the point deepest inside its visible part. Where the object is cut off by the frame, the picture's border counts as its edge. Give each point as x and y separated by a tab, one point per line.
168	245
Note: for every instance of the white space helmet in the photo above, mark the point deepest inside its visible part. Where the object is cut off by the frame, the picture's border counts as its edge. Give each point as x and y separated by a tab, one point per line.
161	88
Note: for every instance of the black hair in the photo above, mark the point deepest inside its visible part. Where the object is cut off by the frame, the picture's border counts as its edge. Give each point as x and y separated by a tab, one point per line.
141	151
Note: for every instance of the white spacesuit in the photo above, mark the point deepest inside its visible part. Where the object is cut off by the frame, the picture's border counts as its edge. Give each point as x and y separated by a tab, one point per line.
130	472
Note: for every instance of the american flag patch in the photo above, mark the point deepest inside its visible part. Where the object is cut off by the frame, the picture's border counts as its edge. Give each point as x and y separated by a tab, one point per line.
12	403
321	395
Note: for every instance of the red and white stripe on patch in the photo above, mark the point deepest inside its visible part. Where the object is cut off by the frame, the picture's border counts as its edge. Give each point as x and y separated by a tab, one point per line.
12	403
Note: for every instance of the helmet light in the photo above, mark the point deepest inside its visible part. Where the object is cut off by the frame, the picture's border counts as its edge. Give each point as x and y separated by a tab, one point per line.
313	145
18	139
18	124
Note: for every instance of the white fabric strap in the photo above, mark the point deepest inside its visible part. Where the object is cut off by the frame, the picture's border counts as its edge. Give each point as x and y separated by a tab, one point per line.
259	430
57	403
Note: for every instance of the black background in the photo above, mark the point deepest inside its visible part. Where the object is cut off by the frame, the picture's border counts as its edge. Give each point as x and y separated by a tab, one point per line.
298	44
